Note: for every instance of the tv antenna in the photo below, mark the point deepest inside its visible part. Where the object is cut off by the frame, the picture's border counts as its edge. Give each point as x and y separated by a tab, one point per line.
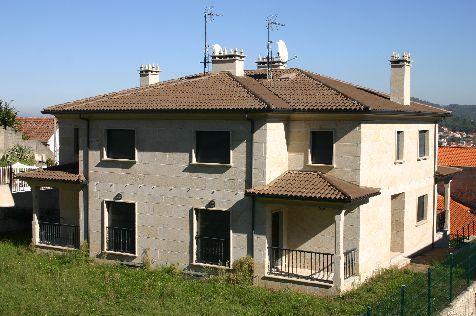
272	24
208	16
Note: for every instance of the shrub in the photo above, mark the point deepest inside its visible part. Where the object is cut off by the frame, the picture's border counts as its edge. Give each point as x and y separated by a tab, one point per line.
18	153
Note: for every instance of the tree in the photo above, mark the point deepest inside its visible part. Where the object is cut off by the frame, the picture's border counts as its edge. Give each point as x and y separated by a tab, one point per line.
18	153
8	115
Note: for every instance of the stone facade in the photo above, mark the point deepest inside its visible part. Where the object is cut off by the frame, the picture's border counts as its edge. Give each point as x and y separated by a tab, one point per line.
167	186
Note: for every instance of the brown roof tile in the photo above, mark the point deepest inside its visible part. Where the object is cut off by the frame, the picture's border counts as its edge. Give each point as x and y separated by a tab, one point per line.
460	214
457	156
60	173
316	186
37	128
444	171
290	89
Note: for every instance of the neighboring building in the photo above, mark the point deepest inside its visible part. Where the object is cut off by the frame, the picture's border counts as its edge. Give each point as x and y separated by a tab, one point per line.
42	129
321	181
463	218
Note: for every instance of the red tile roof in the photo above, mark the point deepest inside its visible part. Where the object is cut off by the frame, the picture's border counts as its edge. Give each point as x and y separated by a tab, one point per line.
460	214
37	128
290	90
457	156
306	185
61	173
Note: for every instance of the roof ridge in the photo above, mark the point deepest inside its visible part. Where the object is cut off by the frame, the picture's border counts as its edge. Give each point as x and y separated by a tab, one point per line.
312	76
126	91
254	93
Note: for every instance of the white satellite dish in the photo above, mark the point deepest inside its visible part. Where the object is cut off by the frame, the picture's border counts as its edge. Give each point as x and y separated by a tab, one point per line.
282	51
216	49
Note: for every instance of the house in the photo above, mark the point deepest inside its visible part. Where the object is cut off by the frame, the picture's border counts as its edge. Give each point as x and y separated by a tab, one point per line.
463	218
322	182
42	129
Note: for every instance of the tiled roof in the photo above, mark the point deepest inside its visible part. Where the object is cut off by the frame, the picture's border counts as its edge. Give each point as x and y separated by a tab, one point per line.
460	214
457	156
316	186
445	171
61	173
37	128
290	90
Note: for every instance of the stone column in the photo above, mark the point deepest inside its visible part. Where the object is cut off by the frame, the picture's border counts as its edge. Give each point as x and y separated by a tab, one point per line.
339	251
447	205
35	193
81	224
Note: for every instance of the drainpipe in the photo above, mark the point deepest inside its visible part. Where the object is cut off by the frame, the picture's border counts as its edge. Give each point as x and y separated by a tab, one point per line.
86	175
249	183
435	154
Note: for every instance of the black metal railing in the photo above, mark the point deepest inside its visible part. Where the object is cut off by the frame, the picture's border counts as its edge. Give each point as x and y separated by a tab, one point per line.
56	234
120	239
462	235
350	263
301	264
213	250
440	221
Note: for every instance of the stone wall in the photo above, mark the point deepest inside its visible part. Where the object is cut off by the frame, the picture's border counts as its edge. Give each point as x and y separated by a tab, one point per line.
464	304
10	138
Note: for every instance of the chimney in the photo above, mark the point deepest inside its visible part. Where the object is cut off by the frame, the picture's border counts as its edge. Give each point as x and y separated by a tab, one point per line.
149	74
232	61
400	78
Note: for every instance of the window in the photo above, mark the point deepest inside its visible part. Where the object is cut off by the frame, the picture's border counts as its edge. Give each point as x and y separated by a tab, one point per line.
421	209
120	227
322	147
399	146
212	147
423	140
213	237
76	143
121	144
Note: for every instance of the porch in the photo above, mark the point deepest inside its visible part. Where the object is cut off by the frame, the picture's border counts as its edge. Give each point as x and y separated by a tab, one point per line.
57	224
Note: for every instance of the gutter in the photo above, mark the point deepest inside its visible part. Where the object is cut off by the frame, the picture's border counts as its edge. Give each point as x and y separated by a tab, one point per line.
435	166
249	184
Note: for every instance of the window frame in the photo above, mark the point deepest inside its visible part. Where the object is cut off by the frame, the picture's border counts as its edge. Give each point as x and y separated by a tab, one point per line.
195	211
104	149
309	150
194	149
399	160
427	144
425	209
105	221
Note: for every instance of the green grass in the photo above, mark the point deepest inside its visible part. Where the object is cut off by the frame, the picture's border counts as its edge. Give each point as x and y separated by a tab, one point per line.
47	283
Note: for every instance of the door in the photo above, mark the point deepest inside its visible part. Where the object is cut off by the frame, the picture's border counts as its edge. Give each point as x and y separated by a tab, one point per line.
276	251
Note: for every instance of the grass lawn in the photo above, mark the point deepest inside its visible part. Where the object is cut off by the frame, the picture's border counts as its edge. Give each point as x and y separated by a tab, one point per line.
46	283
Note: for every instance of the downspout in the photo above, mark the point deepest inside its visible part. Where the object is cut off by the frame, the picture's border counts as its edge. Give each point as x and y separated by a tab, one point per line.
249	183
435	161
86	176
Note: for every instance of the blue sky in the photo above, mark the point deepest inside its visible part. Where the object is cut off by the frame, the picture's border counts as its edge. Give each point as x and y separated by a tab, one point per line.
57	51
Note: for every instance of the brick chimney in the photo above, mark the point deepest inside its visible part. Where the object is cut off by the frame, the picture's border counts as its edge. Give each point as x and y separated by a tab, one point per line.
232	61
149	74
400	78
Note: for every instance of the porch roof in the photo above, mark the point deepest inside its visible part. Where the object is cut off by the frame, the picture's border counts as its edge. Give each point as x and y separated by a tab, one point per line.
308	185
61	173
445	171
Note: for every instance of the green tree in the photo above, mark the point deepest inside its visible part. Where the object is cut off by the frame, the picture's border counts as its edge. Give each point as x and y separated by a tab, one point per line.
8	115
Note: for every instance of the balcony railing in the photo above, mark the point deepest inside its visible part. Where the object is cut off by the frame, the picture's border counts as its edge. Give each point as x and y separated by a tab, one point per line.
350	263
56	234
212	250
309	265
120	239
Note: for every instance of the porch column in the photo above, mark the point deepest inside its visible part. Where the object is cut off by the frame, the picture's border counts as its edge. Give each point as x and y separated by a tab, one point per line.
81	225
35	194
447	205
339	252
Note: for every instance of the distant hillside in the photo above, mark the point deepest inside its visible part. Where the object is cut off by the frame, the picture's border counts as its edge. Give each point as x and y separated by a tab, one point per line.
463	119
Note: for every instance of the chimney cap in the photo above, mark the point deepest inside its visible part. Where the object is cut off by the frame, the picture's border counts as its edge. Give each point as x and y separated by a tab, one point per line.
149	68
396	59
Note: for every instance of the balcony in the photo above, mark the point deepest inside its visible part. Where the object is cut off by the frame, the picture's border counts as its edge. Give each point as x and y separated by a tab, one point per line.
212	250
120	240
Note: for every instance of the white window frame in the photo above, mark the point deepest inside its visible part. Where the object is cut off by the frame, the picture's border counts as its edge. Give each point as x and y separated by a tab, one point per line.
402	159
309	149
104	147
195	231
427	147
105	220
425	211
194	149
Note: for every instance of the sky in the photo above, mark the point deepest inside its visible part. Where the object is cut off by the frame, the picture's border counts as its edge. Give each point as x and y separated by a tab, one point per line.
54	51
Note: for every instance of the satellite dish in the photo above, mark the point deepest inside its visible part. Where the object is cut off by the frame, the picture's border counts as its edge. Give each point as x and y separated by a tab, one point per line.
282	51
216	49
